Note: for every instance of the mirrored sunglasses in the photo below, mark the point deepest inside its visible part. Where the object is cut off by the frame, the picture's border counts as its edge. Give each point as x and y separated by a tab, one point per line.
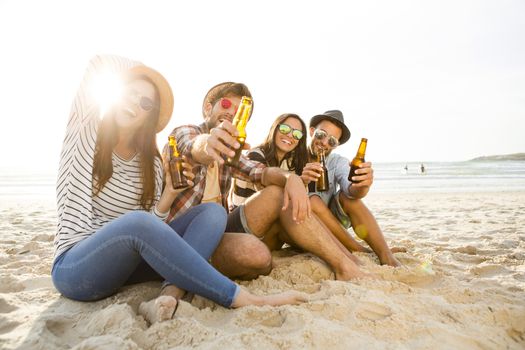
227	103
321	135
285	129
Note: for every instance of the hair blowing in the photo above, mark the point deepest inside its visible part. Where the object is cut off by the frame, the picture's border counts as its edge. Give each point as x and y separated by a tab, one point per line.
295	159
145	143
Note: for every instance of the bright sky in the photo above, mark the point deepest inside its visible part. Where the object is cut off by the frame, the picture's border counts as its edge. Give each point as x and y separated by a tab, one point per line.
423	80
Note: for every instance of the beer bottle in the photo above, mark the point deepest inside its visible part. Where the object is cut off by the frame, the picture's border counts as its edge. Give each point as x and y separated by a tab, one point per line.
239	121
177	177
358	159
322	183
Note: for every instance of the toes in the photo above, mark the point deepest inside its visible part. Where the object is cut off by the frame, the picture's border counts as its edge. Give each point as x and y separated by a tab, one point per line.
158	310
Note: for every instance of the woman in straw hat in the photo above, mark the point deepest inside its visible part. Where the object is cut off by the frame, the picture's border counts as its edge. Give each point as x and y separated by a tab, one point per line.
112	203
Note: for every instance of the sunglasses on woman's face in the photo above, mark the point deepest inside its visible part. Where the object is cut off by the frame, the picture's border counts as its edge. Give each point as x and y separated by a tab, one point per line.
285	129
321	135
144	102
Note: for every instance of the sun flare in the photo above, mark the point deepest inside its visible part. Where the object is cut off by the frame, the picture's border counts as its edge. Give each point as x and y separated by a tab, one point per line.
106	88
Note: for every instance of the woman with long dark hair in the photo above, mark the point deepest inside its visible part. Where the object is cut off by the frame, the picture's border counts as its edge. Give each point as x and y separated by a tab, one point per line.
111	203
284	147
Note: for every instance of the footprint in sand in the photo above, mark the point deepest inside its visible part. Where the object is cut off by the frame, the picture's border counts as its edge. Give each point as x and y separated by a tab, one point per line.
9	284
373	311
489	270
7	325
5	307
43	237
268	318
59	326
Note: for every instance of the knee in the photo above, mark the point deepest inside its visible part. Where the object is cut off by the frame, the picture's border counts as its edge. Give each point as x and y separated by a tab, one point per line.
316	201
138	218
139	224
350	204
273	193
259	256
215	215
317	204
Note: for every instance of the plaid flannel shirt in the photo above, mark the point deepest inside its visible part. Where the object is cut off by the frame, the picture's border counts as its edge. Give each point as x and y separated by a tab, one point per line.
248	170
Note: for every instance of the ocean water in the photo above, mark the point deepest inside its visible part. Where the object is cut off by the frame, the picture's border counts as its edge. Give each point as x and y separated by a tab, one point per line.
469	176
26	183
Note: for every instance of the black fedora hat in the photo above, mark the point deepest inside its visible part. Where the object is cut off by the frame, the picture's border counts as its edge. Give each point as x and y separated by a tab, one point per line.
335	117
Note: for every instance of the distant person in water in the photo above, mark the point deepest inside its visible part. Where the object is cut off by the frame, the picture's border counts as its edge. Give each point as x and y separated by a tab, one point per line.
406	168
422	168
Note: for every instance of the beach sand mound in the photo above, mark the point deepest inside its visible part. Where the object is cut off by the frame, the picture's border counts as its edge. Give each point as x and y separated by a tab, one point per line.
462	286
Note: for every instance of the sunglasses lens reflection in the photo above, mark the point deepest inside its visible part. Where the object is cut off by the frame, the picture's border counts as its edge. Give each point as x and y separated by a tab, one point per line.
319	134
146	104
297	134
284	129
225	103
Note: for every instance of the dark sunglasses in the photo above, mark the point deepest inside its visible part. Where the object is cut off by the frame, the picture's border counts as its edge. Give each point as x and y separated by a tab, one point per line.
144	102
321	135
285	129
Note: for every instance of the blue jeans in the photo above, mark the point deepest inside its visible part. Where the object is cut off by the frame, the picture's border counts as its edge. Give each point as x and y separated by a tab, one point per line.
99	265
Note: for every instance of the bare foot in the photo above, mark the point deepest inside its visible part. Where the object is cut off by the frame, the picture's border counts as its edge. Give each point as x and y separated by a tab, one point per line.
173	291
390	260
398	250
159	309
347	270
245	298
355	259
351	274
287	298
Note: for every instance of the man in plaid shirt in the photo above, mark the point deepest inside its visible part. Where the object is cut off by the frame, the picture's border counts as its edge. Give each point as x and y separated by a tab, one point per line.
282	202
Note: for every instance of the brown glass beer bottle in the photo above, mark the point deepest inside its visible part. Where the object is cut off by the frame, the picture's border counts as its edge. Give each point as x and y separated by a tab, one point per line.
239	121
358	159
177	177
322	183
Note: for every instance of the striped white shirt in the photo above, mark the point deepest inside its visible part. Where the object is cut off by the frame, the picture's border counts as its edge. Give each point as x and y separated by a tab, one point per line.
80	213
241	189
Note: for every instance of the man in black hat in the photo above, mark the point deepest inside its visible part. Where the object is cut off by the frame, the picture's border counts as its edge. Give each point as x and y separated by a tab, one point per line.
341	207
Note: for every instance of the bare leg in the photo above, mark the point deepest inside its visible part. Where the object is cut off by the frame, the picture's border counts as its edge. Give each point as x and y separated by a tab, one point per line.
344	249
242	256
245	298
325	215
263	209
312	236
271	237
366	227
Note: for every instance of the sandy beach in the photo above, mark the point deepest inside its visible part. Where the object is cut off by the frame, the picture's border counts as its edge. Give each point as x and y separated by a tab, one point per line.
462	287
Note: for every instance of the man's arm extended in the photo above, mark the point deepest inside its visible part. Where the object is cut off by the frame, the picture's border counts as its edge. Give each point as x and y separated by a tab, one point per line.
208	148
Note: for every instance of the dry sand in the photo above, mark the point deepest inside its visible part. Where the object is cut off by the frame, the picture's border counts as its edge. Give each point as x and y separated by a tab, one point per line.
462	287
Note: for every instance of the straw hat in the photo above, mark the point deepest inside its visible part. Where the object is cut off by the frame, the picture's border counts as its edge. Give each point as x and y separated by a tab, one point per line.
164	89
